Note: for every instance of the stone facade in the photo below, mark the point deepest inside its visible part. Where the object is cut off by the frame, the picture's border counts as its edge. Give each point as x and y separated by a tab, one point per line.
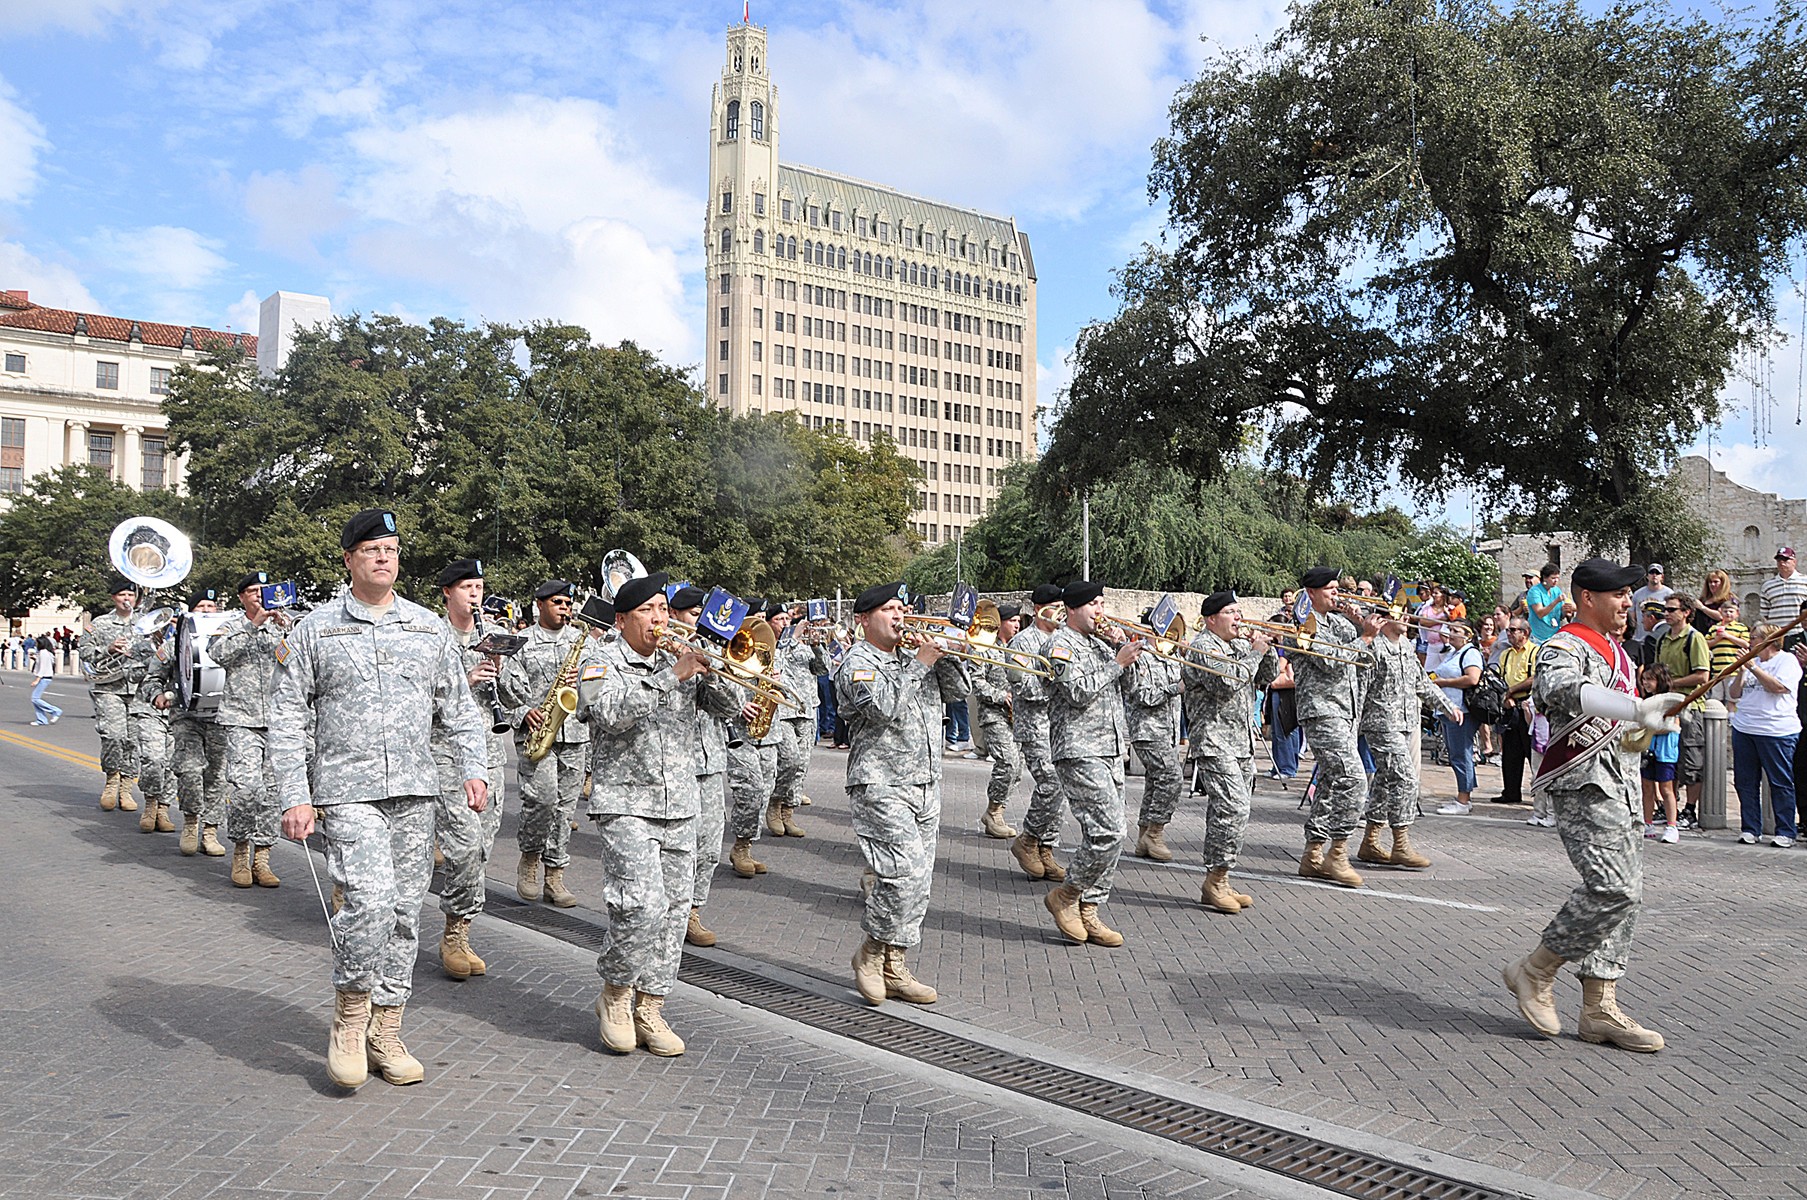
1748	526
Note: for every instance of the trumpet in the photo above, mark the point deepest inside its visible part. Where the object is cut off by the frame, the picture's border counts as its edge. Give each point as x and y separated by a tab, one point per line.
980	645
1296	640
1389	610
1172	646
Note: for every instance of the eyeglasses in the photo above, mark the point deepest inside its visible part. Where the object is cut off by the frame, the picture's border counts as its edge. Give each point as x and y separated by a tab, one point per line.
1674	610
378	552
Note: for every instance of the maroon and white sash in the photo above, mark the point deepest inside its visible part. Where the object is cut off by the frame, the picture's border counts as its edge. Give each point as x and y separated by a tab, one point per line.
1580	741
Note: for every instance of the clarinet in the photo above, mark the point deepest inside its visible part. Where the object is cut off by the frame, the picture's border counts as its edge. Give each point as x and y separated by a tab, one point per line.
498	716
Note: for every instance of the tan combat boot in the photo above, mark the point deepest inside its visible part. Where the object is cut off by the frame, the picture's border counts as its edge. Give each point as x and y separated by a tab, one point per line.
774	819
1312	861
1372	851
455	953
696	933
164	824
788	816
1028	854
109	794
438	857
1153	844
241	864
1097	933
383	1047
527	878
191	834
346	1065
868	881
557	894
1063	903
1216	893
1331	865
803	801
338	899
650	1029
869	970
127	800
615	1011
900	984
1603	1021
1242	898
1051	869
741	859
210	842
1530	980
1403	855
261	874
147	820
993	823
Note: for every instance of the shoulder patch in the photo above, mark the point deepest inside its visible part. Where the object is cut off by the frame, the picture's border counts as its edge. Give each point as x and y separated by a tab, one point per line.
864	676
593	672
283	652
1060	652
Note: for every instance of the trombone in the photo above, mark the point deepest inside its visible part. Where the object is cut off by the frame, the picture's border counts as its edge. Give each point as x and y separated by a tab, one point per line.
744	663
1296	640
1172	646
979	645
1389	610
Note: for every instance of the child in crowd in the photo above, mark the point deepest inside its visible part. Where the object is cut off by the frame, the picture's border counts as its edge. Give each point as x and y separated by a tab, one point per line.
1659	762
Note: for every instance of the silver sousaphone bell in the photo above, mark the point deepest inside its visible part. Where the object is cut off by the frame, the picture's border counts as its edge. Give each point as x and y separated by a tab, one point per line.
150	552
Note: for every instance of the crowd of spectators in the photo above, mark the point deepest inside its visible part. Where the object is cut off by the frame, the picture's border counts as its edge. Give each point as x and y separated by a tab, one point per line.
19	651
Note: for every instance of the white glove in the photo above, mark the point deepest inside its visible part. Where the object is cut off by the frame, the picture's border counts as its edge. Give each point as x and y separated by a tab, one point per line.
1650	713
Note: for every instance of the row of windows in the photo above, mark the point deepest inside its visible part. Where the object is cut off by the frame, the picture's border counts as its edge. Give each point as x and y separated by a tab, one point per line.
106	374
821	254
942	502
153	452
755	121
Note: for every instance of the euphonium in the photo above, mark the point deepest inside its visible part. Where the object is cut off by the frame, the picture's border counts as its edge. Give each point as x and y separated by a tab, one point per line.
560	702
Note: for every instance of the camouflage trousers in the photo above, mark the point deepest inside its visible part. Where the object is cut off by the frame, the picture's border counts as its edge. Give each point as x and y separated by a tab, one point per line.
381	854
156	750
253	817
1033	738
200	766
1094	791
1160	781
1342	787
112	723
712	791
549	791
1594	928
1228	784
465	838
752	773
798	738
649	874
897	826
1006	758
1393	792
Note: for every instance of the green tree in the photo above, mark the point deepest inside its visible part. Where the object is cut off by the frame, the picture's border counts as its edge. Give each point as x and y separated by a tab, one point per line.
53	540
1442	555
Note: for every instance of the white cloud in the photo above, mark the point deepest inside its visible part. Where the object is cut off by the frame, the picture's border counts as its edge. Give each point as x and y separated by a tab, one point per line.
292	211
51	284
1765	468
174	257
79	16
242	314
1051	380
21	141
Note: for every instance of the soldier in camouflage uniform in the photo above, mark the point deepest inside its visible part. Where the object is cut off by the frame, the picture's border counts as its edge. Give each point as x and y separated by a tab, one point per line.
752	776
1328	694
246	647
200	764
1151	706
370	674
1090	738
1584	682
1220	707
1034	848
798	666
465	838
153	658
104	653
1396	689
642	705
892	702
991	687
549	788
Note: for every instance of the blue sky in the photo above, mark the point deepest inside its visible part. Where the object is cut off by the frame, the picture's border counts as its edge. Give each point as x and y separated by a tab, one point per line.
179	159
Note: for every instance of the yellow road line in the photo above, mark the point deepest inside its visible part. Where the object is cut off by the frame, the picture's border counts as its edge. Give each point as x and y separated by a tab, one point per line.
69	756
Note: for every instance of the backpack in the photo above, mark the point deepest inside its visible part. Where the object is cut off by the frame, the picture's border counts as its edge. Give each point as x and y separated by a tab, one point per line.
1487	699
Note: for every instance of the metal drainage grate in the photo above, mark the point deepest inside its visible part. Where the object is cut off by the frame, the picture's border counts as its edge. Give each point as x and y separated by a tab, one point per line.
1251	1143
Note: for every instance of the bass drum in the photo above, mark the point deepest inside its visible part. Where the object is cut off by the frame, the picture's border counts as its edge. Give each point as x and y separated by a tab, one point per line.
199	680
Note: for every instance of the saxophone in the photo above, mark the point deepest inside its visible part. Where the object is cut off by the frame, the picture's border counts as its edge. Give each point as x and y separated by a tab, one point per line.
560	702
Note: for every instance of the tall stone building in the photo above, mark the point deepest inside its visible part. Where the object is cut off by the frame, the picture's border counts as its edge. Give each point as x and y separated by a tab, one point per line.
1747	525
862	309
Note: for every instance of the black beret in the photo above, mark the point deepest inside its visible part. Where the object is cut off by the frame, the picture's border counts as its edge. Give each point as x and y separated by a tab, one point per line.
121	584
370	524
459	570
1080	591
1009	612
205	596
1045	594
597	611
688	596
252	579
880	594
555	587
635	592
774	608
755	606
1318	577
1216	602
1600	575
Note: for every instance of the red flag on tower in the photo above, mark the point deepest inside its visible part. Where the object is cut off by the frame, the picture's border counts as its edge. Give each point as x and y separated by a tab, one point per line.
746	12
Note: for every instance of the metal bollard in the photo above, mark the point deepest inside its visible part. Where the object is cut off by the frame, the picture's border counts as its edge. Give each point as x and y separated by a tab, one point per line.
1716	771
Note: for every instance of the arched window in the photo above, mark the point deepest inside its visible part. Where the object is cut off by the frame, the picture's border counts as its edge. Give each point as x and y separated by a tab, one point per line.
890	269
733	120
790	248
727	240
757	114
807	246
868	268
934	278
759	241
842	256
913	273
822	253
1753	542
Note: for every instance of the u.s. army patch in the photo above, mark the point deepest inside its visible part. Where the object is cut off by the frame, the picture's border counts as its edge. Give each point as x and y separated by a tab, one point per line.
593	672
283	652
1060	652
864	676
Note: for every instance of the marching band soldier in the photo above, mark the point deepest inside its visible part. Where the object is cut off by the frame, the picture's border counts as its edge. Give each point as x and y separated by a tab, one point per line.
892	703
1328	694
752	776
246	647
466	837
1396	688
798	666
549	788
1221	708
643	712
1090	739
1151	705
370	674
103	649
1584	682
153	657
1029	694
711	784
991	685
200	764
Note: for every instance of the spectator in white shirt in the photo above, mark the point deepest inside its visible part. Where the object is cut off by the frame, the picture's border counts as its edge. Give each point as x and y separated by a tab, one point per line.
1654	589
1783	593
43	669
1765	728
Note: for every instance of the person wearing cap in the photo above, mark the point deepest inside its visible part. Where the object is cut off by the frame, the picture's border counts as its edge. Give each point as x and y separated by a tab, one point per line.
550	787
466	838
892	701
752	779
1220	709
1151	690
153	663
245	646
641	701
991	689
1654	589
1396	689
1783	595
104	650
1328	694
1544	602
1650	631
799	663
1090	738
200	761
1034	847
1585	683
369	674
711	782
